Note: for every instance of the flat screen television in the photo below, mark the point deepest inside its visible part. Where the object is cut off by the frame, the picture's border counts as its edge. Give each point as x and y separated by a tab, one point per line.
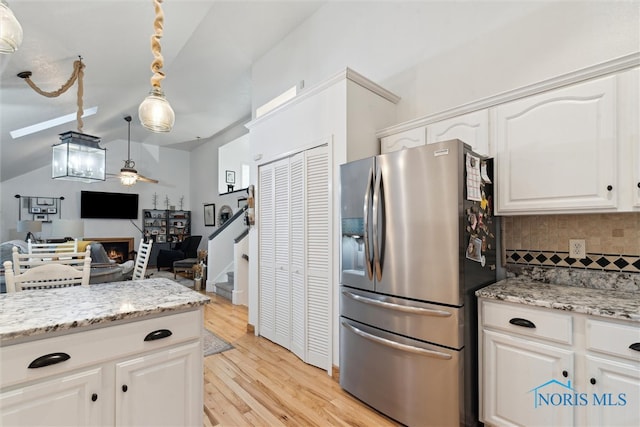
102	205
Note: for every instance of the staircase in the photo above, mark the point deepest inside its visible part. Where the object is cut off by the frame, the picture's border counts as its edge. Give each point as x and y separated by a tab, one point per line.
227	263
225	289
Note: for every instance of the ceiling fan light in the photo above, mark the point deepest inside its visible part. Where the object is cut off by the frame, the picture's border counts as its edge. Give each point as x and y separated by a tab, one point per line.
128	178
155	112
10	30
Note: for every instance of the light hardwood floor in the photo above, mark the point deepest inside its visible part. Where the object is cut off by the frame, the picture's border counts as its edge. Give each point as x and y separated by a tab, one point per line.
259	383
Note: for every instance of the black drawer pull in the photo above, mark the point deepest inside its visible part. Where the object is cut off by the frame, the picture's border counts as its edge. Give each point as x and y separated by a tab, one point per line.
522	322
49	359
565	374
592	381
94	397
635	346
158	335
125	388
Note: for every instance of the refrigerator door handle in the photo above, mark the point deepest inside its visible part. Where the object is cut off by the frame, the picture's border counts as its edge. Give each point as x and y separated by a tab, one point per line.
376	204
397	307
396	345
367	254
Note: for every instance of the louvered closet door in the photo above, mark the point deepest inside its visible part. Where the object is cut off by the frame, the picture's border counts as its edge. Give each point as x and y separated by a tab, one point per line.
266	249
318	267
297	224
282	229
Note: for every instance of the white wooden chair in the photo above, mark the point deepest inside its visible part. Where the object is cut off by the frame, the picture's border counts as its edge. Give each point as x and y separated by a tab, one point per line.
142	259
30	273
38	248
22	262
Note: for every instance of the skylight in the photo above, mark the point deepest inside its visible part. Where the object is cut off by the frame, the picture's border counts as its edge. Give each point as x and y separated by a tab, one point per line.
50	123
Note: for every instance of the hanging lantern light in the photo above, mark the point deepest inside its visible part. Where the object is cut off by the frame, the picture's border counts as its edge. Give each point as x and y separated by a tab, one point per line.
77	157
154	112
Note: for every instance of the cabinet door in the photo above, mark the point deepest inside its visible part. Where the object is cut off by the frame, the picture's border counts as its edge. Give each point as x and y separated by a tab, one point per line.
282	258
613	390
297	223
407	139
318	264
472	128
519	376
76	399
161	389
556	151
266	252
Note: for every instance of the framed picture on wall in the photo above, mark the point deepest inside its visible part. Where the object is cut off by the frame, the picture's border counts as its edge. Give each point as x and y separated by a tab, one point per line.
210	214
231	177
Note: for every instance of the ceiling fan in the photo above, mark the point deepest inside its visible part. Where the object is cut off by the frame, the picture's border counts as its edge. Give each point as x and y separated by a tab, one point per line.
128	174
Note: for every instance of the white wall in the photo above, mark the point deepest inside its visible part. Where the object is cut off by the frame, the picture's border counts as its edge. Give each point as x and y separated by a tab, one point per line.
437	55
203	172
169	166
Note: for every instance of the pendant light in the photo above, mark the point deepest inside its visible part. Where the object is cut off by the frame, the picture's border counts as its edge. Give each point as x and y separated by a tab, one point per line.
10	30
154	112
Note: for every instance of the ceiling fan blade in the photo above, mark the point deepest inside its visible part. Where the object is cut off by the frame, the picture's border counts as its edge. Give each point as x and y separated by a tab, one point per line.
145	179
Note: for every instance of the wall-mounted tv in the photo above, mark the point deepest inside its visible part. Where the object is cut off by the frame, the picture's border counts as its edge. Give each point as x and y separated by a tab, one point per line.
102	205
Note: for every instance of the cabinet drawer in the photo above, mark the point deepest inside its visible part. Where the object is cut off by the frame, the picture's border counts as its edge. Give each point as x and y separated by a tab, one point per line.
95	346
544	324
614	339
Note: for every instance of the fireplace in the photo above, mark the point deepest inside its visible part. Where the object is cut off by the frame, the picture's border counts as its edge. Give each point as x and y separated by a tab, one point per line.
119	249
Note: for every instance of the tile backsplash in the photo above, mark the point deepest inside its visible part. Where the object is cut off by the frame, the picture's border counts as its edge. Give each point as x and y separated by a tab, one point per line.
612	240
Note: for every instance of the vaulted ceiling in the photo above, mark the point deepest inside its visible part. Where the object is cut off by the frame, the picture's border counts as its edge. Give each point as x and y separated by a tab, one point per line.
208	48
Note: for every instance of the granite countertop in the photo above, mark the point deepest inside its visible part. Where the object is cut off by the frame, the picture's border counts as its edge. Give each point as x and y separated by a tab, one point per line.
608	303
31	313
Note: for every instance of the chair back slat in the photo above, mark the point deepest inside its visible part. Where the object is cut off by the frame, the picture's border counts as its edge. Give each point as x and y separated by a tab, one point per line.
142	259
47	270
70	246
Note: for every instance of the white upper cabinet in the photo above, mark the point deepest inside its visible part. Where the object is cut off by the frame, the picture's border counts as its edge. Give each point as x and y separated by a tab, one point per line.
557	151
629	123
472	128
407	139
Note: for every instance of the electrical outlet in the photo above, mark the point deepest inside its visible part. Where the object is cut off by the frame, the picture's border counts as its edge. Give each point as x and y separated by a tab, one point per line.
577	249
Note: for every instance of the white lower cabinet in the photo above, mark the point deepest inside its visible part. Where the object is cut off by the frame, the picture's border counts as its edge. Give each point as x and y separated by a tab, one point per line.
157	389
70	400
519	366
544	367
108	376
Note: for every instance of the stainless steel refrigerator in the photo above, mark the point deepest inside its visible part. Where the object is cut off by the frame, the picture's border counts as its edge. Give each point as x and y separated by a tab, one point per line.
418	238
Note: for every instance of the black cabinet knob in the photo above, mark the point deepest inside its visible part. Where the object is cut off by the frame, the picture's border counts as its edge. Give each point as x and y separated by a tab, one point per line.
565	374
94	397
592	380
609	187
125	388
639	185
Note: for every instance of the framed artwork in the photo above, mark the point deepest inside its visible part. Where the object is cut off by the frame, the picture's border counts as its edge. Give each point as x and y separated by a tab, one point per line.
210	213
231	177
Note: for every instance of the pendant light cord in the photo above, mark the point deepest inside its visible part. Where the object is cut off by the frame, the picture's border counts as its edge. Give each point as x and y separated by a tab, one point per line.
78	74
156	65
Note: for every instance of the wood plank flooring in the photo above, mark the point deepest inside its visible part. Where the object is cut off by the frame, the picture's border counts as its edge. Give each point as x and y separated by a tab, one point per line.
259	383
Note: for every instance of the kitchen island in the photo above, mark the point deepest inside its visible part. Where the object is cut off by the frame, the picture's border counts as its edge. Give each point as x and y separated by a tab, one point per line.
541	342
120	353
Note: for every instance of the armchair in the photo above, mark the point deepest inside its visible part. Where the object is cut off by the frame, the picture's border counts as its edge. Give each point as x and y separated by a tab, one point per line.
188	248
